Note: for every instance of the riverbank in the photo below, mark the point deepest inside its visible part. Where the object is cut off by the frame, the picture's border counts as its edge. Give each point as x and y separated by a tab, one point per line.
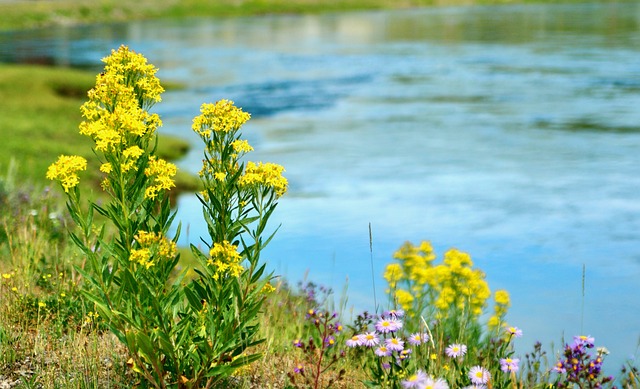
29	14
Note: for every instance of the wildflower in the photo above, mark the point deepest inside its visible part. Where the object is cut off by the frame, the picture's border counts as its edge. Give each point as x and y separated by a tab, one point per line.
388	325
298	369
6	276
404	354
356	340
394	313
394	344
417	380
65	170
370	339
404	298
435	383
267	175
162	173
417	338
583	340
479	375
225	259
267	288
393	273
241	146
42	305
221	117
559	368
383	351
509	365
514	332
456	350
329	340
502	297
297	343
475	387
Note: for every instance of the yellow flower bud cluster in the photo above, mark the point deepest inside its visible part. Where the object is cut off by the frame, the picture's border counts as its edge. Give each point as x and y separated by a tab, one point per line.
451	286
151	247
265	175
162	173
225	258
501	305
116	113
65	170
221	117
116	117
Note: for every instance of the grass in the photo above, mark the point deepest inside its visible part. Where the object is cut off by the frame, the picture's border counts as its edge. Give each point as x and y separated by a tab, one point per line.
50	336
40	116
29	14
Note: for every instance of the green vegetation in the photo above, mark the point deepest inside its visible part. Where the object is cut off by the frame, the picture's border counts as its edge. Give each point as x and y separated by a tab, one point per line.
30	14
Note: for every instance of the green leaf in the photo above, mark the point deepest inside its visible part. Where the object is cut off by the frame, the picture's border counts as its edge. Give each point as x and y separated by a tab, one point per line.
194	301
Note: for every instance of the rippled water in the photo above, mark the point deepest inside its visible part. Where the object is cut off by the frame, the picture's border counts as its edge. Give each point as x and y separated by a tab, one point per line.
510	132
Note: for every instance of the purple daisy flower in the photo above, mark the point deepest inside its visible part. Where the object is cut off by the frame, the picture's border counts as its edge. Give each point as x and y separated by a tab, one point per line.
383	351
385	326
355	341
509	365
514	332
418	338
394	344
456	350
417	380
370	339
479	375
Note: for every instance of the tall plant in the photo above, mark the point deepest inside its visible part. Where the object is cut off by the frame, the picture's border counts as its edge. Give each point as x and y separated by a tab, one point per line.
183	335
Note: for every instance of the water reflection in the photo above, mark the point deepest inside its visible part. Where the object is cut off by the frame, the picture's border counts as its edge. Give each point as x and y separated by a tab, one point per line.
510	132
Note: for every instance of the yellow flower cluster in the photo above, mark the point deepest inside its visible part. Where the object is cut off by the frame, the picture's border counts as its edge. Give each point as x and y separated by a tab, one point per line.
65	170
162	173
454	284
152	246
116	112
241	146
501	305
226	259
222	117
265	175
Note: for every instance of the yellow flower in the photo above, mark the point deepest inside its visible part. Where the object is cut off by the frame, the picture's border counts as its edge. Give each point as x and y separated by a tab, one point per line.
65	170
405	299
225	258
153	246
241	146
267	288
106	168
222	117
130	155
116	113
265	175
162	173
502	297
42	304
393	273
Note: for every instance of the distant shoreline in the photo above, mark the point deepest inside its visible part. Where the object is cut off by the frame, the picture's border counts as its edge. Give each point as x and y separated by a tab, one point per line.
19	15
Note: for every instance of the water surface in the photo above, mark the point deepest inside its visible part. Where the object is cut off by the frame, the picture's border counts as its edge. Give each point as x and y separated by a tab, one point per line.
511	132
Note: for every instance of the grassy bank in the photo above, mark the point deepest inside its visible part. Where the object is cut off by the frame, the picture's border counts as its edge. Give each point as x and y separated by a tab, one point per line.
32	14
40	116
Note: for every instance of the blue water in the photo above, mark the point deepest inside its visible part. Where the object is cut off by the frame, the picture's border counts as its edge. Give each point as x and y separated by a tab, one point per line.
510	132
